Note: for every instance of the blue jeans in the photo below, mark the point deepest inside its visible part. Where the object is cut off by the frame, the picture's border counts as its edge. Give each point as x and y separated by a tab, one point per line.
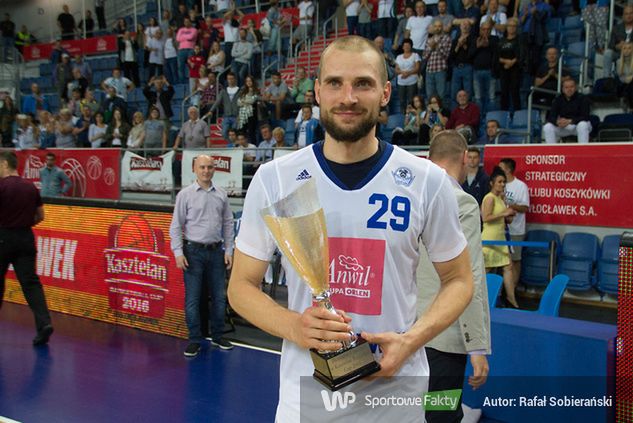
405	95
8	43
205	266
240	70
183	73
364	30
462	79
484	86
171	70
228	122
352	25
435	84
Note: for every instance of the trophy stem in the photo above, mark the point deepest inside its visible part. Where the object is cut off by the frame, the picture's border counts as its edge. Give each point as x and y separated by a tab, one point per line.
323	299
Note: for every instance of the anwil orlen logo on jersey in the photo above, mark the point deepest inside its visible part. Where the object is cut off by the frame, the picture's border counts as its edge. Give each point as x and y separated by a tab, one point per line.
356	274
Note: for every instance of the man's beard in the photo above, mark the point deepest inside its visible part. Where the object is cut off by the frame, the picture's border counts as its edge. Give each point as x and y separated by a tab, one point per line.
341	134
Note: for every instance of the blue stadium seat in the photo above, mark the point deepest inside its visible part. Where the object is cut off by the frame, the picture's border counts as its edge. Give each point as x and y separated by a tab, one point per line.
53	101
608	266
501	116
554	25
535	261
520	121
571	35
394	121
577	259
576	49
550	301
494	283
573	22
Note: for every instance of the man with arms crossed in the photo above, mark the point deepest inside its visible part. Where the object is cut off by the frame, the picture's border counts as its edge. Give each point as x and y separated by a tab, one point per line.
378	202
469	335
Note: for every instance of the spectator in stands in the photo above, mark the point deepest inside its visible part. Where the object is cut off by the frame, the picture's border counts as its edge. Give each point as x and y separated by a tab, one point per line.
534	35
495	17
57	52
100	11
241	53
152	28
250	150
47	130
470	12
97	131
463	51
387	18
309	130
326	9
118	130
228	100
27	135
89	25
155	132
231	139
201	85
279	137
171	57
77	82
207	34
8	112
365	10
477	181
495	216
624	70
444	17
622	33
121	84
187	37
569	115
64	131
407	69
396	44
275	95
255	37
63	75
194	63
351	15
316	111
90	102
120	27
181	14
493	134
136	135
66	24
517	197
82	128
301	85
435	116
413	120
417	28
54	181
306	15
167	22
231	27
484	62
195	133
142	54
111	102
195	18
510	67
156	47
547	77
216	59
84	67
209	94
159	93
265	147
390	60
7	28
436	53
128	51
275	21
24	38
74	104
595	14
34	102
247	100
465	117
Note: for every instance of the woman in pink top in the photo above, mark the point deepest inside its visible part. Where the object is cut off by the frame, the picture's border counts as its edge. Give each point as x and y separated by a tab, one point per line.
186	37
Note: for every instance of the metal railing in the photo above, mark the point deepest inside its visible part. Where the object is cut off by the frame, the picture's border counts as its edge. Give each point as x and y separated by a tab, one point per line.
531	106
334	20
308	44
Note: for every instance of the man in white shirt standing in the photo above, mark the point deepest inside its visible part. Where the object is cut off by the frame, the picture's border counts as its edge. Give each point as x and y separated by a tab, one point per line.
418	28
306	13
386	18
518	199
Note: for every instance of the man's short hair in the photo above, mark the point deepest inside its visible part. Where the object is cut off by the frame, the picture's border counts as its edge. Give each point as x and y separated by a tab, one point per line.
495	121
474	150
512	165
265	126
10	158
231	130
355	43
306	106
49	154
448	144
275	73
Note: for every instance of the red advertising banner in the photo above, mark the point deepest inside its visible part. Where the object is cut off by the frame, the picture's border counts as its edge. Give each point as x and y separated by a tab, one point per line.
573	184
95	45
112	265
94	173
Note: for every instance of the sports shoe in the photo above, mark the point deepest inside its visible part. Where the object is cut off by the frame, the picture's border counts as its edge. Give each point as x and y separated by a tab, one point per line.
43	335
192	349
222	343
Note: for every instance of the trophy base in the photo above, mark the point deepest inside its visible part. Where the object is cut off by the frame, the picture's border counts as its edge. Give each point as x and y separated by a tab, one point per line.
338	369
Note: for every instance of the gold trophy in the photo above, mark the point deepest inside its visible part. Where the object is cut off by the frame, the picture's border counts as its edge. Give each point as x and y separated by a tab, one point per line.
297	222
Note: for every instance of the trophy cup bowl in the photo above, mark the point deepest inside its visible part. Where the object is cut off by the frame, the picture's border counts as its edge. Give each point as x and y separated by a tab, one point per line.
297	223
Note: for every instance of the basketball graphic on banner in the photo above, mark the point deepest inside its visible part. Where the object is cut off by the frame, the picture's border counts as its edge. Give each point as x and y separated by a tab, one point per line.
95	167
135	233
109	176
77	176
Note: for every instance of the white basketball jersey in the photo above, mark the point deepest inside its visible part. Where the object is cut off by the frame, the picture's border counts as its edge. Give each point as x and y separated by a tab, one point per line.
373	233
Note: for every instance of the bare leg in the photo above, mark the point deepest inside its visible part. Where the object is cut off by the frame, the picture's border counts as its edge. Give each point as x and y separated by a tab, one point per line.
516	273
508	284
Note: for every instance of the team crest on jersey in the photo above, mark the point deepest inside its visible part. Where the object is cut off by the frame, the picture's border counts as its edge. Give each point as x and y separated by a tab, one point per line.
403	176
356	274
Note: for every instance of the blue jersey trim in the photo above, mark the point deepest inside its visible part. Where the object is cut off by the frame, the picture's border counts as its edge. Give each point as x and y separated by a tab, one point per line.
317	148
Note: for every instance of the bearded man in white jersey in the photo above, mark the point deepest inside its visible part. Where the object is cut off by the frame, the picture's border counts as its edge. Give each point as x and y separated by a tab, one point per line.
379	201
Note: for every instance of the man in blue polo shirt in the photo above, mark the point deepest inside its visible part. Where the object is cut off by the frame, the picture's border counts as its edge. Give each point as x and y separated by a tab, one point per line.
54	180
